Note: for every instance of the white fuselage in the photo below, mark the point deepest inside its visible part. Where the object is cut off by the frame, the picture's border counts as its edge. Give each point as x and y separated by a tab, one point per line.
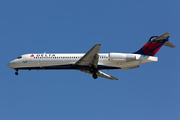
67	61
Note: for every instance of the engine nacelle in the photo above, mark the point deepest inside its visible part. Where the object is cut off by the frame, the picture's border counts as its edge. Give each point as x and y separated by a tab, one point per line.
120	57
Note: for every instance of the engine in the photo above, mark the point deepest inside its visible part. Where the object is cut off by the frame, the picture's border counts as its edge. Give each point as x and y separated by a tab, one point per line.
120	57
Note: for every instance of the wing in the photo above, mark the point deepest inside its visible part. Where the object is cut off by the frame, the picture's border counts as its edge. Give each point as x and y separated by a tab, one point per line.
90	58
101	74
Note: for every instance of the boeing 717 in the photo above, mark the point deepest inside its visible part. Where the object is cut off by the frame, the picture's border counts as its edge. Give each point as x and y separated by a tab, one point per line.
93	61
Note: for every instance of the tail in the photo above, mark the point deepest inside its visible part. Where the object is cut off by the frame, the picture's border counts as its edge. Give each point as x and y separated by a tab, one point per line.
154	44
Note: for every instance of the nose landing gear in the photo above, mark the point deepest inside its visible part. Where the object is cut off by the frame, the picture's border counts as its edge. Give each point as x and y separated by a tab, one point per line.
16	73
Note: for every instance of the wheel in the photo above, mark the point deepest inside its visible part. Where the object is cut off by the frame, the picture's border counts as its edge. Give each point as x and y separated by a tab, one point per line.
16	73
95	76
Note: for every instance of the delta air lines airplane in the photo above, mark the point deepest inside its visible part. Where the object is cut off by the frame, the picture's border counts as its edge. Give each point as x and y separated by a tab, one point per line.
93	61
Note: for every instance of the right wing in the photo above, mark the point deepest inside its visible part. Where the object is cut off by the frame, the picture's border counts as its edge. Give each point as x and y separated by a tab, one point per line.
101	74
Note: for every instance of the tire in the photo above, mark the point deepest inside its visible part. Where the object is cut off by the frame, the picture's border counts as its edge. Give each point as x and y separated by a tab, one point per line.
16	73
95	76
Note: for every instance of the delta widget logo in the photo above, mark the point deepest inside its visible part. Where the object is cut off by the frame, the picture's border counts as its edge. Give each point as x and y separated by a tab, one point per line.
32	55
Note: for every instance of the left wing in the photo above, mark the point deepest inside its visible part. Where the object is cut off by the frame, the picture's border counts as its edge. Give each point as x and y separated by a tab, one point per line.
90	58
101	74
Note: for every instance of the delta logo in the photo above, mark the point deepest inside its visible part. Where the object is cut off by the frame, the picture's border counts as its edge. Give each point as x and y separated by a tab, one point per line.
43	55
32	55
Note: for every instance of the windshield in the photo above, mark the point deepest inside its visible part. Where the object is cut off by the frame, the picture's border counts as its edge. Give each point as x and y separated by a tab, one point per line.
19	57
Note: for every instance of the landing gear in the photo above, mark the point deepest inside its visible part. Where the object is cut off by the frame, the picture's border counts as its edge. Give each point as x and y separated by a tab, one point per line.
93	70
95	76
16	73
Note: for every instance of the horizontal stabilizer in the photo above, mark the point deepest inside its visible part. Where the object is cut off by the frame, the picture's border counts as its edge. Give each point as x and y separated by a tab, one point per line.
167	43
162	37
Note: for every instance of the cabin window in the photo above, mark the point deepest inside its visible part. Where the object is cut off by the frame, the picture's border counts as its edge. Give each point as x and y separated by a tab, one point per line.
19	57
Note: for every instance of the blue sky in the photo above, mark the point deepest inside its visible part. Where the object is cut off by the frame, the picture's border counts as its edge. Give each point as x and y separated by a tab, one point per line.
149	92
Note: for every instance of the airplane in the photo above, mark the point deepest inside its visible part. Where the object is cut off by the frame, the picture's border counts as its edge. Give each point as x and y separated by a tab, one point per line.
93	61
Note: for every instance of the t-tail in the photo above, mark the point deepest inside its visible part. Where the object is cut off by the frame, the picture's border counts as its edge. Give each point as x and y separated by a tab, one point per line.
154	44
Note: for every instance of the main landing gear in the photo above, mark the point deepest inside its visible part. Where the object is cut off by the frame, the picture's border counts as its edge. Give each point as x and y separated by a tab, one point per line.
95	76
93	70
16	73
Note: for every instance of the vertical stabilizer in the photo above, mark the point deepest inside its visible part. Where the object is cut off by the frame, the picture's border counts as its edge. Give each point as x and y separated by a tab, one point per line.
154	44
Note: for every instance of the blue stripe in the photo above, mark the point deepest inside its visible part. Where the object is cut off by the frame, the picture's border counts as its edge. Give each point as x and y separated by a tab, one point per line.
70	66
155	48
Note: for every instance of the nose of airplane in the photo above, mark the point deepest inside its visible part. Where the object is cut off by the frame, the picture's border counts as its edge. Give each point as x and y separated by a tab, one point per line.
11	64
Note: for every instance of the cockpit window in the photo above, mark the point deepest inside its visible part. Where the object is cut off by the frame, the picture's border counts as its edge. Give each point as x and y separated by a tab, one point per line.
19	57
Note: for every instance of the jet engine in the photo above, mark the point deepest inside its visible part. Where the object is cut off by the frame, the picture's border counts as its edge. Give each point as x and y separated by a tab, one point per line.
121	57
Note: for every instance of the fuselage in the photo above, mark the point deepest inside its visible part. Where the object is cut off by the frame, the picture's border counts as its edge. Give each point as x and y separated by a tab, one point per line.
67	61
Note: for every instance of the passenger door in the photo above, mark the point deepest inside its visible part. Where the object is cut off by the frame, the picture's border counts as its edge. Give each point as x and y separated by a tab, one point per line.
24	59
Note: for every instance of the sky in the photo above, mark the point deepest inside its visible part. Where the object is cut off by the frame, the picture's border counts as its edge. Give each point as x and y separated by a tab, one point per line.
150	92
